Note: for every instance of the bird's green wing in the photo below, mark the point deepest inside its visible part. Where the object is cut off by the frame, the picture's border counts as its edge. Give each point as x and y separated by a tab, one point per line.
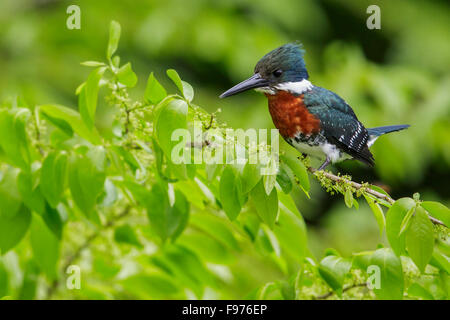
339	123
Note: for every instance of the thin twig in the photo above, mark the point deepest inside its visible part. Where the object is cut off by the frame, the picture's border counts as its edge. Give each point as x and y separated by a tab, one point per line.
437	221
127	119
196	145
355	185
38	135
365	189
210	122
71	259
329	294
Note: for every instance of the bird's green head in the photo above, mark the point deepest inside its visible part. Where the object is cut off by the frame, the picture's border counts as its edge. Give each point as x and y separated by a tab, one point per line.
281	69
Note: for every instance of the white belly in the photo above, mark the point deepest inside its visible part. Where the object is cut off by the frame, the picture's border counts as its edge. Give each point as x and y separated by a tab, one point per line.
321	151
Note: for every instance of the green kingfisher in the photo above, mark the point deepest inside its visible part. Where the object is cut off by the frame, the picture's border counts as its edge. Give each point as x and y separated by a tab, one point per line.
314	120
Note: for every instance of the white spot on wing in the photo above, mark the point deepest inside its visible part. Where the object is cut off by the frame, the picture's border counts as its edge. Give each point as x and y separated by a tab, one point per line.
372	140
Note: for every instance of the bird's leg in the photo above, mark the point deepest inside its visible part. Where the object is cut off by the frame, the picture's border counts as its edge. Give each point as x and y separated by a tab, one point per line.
326	163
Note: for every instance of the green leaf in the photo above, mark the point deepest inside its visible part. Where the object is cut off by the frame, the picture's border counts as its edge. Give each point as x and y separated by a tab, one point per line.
420	239
184	87
229	192
217	228
114	36
440	260
87	99
331	252
355	204
266	205
188	91
72	118
174	76
377	212
79	88
299	169
418	290
213	170
154	91
333	270
54	219
284	178
187	268
109	194
86	179
290	228
438	211
193	192
126	234
13	228
251	175
13	126
35	201
10	200
391	274
126	75
382	191
270	291
29	283
348	197
394	218
60	124
126	157
53	177
92	64
406	220
103	264
115	61
166	221
178	216
207	247
361	260
269	182
172	116
4	281
152	286
270	179
45	247
31	195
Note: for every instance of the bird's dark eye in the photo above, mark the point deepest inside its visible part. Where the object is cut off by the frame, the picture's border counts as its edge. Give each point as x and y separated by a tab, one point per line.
277	73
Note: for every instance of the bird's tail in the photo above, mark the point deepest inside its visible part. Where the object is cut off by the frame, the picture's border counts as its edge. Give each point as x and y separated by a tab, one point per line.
378	131
374	133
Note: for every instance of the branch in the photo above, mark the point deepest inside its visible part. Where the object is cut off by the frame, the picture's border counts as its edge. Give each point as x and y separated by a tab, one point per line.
329	294
365	189
70	260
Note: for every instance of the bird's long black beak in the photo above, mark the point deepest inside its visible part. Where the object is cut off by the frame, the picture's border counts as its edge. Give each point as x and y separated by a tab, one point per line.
255	81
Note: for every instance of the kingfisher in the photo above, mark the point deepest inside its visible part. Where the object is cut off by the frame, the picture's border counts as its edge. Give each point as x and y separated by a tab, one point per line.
314	120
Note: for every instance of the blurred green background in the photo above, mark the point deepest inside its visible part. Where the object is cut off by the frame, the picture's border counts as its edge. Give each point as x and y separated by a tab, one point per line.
399	74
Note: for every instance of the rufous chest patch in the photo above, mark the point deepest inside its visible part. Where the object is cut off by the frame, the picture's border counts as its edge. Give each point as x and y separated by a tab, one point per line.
290	115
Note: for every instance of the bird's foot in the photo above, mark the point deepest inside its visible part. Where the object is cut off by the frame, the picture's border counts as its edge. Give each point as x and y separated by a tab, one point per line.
324	165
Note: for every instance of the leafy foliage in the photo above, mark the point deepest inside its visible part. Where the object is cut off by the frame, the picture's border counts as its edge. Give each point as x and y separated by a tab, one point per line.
179	230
